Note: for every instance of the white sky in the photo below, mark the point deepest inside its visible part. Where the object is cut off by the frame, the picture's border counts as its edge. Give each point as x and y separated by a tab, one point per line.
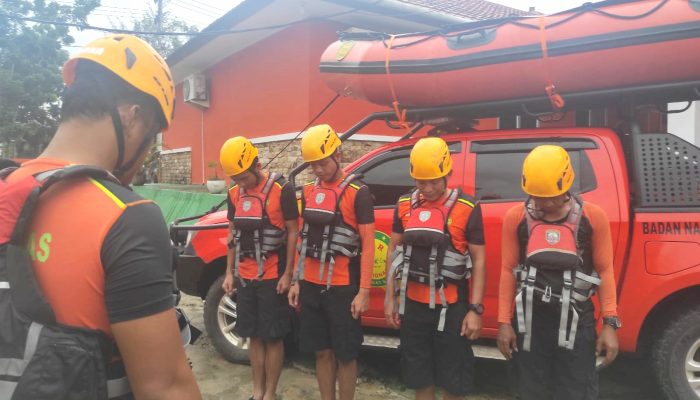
201	13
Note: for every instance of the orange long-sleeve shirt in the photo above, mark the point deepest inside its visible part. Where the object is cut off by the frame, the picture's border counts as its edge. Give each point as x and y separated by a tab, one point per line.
602	255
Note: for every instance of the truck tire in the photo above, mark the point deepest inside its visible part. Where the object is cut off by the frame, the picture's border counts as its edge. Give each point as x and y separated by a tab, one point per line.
219	320
675	357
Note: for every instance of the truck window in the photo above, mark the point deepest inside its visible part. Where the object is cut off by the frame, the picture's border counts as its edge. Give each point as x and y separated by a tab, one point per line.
387	175
388	179
498	175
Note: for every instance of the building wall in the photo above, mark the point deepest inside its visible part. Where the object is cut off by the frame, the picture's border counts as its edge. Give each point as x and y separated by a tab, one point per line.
290	156
175	167
273	87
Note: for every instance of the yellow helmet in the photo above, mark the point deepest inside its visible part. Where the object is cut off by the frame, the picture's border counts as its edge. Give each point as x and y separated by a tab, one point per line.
547	172
237	155
319	142
133	60
430	159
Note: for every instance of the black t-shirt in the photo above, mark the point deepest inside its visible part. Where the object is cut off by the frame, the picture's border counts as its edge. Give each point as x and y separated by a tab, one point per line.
364	205
137	257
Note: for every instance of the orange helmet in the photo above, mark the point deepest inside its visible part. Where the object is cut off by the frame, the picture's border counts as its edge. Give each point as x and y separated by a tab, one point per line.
430	159
319	142
547	172
133	60
237	155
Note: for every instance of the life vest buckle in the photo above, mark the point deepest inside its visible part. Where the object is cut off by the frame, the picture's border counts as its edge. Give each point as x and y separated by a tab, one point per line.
568	282
547	295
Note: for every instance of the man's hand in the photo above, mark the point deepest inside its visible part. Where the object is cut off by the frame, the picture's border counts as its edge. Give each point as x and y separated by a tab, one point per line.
607	341
360	303
228	284
507	341
283	283
293	295
471	326
391	312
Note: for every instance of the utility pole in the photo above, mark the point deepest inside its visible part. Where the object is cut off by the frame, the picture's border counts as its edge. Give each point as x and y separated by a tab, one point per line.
159	23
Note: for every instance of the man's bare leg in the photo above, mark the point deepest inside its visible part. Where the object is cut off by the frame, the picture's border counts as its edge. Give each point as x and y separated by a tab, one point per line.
274	358
326	369
347	379
257	363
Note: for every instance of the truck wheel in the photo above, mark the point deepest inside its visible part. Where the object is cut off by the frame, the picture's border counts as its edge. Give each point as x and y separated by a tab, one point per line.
219	320
676	357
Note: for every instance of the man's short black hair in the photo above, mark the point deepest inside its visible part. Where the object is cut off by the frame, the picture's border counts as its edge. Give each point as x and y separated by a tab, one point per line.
97	91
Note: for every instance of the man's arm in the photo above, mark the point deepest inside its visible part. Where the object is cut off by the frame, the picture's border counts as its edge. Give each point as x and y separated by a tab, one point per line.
155	359
290	212
391	312
364	212
137	259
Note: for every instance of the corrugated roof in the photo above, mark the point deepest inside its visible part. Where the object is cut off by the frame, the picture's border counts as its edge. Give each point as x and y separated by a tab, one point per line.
473	9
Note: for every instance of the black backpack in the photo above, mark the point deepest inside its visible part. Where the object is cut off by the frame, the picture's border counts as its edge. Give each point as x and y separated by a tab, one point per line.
41	359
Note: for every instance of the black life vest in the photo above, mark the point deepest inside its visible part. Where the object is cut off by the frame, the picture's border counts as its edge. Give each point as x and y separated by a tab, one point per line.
254	235
428	255
553	269
324	233
40	358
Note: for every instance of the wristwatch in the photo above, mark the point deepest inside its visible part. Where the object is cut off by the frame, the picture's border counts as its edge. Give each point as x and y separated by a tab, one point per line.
478	308
614	322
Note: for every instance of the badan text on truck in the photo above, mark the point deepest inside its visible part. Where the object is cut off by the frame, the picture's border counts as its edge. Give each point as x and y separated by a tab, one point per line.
608	63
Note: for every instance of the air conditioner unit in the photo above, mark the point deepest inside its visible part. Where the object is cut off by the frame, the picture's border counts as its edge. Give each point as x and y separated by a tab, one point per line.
194	89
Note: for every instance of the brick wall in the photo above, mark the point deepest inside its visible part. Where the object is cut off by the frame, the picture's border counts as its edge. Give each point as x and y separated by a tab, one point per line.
291	157
176	167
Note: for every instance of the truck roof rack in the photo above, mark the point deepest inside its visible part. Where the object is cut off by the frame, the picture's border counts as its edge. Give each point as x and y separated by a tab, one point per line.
540	105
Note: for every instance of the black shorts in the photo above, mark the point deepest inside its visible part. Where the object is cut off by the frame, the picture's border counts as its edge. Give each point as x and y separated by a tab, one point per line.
326	321
433	358
262	313
548	371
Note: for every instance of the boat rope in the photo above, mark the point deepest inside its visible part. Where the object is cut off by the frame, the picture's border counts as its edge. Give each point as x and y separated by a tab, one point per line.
557	101
474	27
326	107
400	113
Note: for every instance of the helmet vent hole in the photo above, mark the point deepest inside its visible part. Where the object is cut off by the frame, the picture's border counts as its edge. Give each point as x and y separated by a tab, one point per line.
130	58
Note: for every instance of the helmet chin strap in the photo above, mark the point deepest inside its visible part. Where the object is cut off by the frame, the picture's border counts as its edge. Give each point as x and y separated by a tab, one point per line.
119	132
120	168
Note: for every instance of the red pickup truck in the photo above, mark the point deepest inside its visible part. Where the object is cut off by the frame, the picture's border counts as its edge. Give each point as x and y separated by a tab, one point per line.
648	183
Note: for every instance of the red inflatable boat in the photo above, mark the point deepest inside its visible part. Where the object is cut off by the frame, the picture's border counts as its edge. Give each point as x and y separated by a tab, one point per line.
612	44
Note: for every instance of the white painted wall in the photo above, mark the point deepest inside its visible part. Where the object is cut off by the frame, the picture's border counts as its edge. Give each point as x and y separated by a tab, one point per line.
685	125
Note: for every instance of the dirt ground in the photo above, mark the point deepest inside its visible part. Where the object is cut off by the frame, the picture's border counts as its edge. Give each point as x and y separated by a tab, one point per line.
627	379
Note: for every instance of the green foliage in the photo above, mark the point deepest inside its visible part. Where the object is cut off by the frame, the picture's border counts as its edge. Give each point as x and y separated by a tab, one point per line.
31	56
214	166
151	22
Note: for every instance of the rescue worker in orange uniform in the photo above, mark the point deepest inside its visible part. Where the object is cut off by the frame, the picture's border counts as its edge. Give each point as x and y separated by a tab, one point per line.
332	290
437	244
262	214
557	250
102	254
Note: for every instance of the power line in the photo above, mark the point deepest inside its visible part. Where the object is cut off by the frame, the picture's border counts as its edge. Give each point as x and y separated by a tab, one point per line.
134	32
209	6
189	8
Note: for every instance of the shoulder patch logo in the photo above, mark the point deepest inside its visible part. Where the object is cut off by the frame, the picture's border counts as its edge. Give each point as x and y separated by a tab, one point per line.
319	198
424	216
552	236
